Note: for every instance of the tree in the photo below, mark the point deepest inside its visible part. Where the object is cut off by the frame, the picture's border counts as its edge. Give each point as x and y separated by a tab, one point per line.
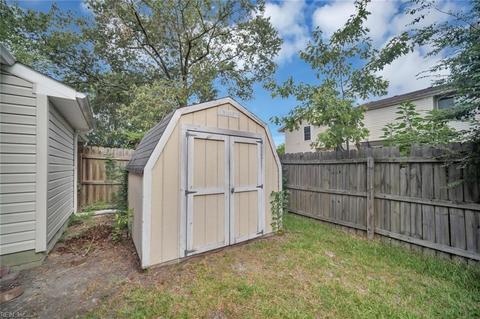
344	66
281	149
191	43
189	46
458	38
411	128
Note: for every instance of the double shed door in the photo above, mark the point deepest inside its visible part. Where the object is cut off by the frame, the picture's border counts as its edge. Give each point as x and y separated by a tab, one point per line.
224	192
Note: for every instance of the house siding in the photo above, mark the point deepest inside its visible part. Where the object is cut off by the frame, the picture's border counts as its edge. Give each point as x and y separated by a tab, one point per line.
295	143
17	164
375	120
60	172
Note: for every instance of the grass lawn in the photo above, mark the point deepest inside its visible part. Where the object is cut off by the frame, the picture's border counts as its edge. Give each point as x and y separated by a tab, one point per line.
312	271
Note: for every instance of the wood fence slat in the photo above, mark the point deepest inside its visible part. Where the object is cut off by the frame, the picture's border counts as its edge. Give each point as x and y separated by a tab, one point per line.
415	191
472	218
370	197
428	218
457	217
414	200
94	186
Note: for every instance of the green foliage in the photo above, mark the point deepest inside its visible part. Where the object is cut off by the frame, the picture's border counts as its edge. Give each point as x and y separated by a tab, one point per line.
155	100
459	37
331	103
123	215
121	225
279	203
411	128
140	59
116	173
76	219
281	149
96	206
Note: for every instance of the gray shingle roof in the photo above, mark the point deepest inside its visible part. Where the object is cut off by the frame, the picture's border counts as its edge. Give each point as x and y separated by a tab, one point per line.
146	146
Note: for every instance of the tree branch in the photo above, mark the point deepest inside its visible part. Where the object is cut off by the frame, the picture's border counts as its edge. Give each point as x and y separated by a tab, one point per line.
147	39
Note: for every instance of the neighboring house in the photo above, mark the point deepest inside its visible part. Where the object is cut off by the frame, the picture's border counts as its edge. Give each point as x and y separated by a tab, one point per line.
378	115
41	120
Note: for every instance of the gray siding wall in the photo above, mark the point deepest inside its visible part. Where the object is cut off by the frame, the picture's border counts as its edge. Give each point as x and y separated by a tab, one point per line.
17	164
60	172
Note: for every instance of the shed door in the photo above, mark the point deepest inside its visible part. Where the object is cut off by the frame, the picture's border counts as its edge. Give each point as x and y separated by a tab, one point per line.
207	192
246	180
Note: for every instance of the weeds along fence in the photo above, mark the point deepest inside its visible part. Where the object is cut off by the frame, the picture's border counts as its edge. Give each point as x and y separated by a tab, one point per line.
95	186
418	200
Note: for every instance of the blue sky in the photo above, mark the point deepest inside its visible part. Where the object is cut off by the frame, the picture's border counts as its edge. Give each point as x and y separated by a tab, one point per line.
294	20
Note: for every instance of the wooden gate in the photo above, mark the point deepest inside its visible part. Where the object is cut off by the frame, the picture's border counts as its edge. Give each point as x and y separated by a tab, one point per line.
94	186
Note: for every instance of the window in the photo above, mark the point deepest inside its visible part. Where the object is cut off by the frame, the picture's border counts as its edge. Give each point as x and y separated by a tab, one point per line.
445	102
306	133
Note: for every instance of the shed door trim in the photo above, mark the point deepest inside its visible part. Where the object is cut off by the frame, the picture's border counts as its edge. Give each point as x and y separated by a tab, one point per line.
191	192
259	187
189	132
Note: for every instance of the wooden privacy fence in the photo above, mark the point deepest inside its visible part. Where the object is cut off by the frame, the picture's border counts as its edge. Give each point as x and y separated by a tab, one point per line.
94	186
417	199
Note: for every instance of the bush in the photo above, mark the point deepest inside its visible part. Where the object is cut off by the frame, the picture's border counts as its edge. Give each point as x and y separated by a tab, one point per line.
279	207
121	225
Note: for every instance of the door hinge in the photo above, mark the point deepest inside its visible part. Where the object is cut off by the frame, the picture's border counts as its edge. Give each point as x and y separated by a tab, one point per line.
189	251
260	232
260	186
187	192
232	190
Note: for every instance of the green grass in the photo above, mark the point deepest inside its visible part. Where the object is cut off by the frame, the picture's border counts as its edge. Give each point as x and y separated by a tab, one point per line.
97	206
312	271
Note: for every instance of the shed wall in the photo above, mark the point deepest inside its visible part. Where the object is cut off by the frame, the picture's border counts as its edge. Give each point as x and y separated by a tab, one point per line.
135	197
60	172
17	164
166	210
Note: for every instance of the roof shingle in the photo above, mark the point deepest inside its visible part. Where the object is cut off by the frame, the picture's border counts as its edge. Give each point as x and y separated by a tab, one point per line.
146	146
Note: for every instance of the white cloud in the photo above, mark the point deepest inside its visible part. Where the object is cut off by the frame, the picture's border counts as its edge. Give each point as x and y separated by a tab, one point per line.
288	19
85	7
410	72
387	20
334	15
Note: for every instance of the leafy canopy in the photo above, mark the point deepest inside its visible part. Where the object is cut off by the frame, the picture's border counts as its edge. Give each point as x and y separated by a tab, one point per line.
411	128
181	51
458	40
346	66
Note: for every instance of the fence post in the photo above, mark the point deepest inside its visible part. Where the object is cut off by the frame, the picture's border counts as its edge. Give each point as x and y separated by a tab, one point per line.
370	197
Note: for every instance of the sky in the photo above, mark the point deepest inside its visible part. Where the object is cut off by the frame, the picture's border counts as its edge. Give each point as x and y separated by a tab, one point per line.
294	21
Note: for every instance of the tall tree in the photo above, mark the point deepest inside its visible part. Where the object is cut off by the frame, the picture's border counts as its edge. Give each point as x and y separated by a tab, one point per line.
193	44
458	40
344	65
189	47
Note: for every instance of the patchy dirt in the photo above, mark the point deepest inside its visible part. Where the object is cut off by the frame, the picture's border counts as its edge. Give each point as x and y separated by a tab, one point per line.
82	270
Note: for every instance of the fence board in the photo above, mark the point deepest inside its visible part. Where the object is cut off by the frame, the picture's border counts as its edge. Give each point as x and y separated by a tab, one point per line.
94	186
407	199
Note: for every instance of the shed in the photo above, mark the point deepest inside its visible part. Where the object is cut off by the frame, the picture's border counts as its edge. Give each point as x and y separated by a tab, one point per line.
201	179
41	121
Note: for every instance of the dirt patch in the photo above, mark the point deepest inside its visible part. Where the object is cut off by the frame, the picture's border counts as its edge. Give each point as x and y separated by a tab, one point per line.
86	241
82	270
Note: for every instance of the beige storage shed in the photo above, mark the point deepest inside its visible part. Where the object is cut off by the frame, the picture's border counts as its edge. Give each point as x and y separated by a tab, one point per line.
201	179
